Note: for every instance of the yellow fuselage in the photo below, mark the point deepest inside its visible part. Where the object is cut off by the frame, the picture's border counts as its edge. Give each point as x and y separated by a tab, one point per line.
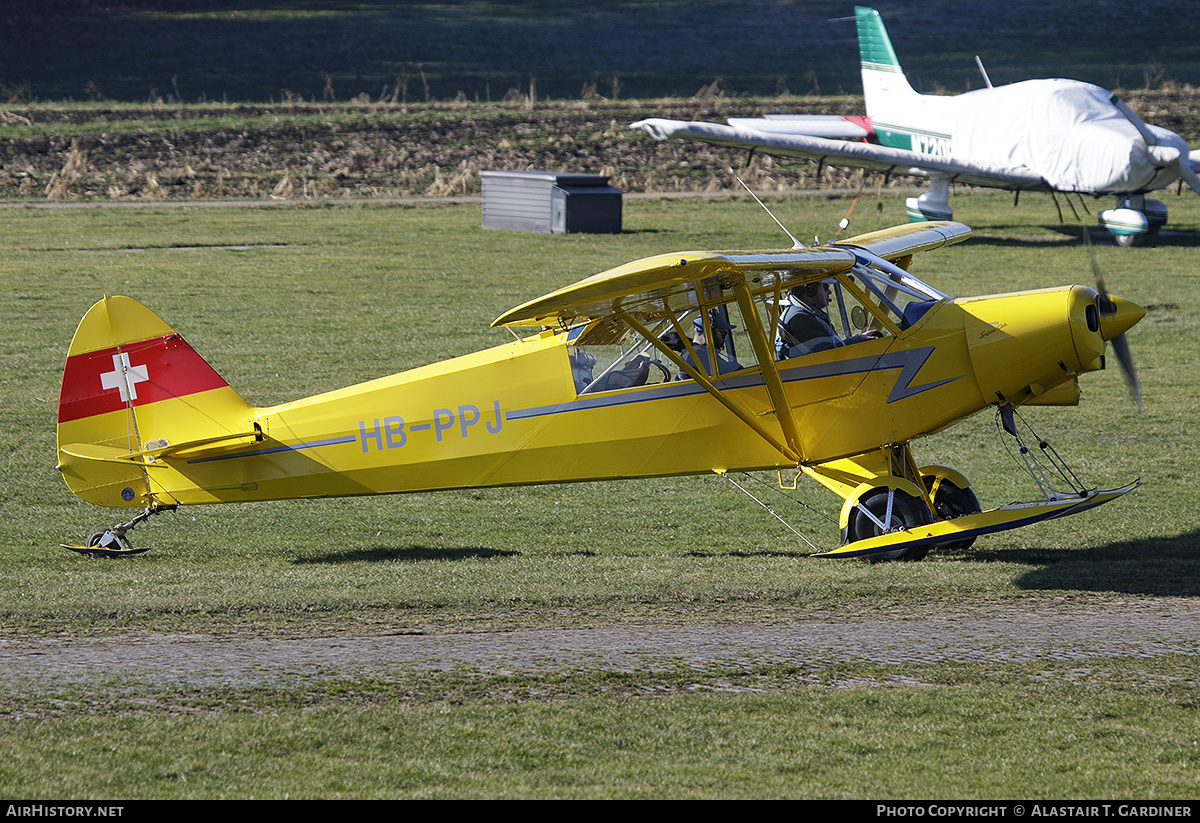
510	415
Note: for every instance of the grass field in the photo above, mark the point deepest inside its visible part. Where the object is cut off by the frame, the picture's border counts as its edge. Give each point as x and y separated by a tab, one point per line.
292	300
315	102
276	50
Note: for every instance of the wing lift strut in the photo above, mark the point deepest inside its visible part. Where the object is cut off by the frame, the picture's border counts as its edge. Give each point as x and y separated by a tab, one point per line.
789	445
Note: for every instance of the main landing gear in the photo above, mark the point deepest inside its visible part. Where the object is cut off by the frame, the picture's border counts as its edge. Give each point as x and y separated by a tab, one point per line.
114	542
887	509
886	491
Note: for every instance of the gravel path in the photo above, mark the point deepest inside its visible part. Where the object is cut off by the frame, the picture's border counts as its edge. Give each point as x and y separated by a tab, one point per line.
1126	629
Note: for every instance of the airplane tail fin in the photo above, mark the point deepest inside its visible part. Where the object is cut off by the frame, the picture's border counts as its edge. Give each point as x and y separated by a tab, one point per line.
883	79
132	391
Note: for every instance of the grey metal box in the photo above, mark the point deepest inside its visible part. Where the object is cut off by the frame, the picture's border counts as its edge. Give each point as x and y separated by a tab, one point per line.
550	202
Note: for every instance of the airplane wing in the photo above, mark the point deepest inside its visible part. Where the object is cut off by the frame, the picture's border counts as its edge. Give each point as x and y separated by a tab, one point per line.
667	283
901	241
849	153
813	125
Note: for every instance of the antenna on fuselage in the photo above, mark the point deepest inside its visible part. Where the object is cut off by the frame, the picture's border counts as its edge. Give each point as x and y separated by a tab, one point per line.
796	244
987	80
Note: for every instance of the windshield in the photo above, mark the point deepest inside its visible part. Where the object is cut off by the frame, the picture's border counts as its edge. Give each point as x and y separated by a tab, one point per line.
869	302
893	292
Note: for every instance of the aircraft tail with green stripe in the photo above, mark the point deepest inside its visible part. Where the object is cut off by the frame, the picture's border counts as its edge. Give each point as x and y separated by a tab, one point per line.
900	117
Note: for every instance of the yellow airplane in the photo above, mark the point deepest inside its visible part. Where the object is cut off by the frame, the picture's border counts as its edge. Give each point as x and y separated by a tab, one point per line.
678	364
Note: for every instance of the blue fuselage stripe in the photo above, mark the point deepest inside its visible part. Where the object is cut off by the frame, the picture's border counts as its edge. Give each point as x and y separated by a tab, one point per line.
315	444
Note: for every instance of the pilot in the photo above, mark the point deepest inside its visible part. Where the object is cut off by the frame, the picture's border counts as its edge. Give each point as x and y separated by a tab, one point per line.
720	330
804	326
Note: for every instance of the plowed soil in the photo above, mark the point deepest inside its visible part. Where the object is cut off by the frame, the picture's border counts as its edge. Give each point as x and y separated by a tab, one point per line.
298	151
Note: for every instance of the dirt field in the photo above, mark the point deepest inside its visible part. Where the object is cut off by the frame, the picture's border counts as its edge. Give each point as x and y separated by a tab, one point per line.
1122	627
297	151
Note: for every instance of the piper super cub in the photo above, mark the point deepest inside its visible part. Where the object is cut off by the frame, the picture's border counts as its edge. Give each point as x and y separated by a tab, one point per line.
683	363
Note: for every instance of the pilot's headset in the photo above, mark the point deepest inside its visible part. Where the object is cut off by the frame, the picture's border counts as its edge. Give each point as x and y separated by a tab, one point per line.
810	289
718	323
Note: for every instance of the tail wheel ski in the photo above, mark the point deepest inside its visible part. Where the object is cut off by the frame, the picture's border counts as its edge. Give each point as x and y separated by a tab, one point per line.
884	511
114	542
949	502
106	543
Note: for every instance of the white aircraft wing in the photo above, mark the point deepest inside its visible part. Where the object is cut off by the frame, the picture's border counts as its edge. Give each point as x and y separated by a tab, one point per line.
812	125
853	154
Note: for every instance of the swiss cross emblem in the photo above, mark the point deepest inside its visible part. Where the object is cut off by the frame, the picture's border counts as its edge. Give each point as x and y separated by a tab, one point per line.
124	377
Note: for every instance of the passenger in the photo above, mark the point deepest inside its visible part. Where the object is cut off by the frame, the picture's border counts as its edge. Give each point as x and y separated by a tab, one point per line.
720	330
804	326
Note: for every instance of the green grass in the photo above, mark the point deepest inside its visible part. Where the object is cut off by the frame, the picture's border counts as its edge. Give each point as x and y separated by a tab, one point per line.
325	296
323	49
1047	731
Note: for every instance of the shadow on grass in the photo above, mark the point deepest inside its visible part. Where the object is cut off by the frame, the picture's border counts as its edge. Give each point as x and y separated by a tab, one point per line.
1167	566
1066	234
410	554
790	554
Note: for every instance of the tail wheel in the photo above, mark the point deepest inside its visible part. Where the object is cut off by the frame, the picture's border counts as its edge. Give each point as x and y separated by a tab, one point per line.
950	501
894	511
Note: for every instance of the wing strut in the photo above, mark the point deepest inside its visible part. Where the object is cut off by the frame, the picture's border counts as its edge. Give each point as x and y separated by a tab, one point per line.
742	413
766	362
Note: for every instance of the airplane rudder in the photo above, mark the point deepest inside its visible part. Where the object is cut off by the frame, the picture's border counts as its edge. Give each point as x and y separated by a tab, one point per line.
123	355
874	46
130	381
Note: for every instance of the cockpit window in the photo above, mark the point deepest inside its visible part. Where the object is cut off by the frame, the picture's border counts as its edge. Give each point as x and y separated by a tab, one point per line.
633	362
713	342
703	331
894	293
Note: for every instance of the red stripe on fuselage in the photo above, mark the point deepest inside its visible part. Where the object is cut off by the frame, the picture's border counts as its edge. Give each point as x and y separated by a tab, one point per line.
158	369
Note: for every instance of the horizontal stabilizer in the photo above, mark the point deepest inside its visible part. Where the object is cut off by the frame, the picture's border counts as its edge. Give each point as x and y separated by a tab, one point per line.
147	457
1012	516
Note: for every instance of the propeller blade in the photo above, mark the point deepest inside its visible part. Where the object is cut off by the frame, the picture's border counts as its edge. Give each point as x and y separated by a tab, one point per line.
1180	159
1109	307
1187	175
1121	350
1137	122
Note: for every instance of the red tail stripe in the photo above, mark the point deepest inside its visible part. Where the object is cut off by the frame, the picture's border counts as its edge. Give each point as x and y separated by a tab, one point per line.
157	369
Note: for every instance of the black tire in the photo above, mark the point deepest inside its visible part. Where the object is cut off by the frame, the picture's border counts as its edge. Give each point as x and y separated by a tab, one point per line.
93	539
119	545
951	502
907	513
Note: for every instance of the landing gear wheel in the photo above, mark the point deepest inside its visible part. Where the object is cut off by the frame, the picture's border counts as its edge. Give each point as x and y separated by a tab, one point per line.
906	512
1127	240
113	542
949	502
105	543
96	540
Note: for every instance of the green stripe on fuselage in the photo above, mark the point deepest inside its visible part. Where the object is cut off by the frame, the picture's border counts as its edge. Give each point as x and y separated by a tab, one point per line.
922	142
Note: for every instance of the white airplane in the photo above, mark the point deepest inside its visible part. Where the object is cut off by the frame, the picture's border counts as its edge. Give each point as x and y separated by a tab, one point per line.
1039	135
